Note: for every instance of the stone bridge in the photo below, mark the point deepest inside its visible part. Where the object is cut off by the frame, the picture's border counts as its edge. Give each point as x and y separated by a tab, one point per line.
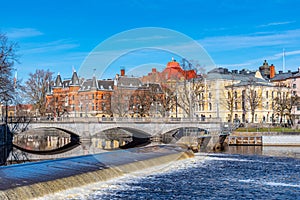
88	127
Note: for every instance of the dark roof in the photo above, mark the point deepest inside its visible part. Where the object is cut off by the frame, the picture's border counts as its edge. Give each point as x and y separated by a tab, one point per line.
154	87
66	83
74	79
253	82
282	76
105	84
93	84
130	82
58	81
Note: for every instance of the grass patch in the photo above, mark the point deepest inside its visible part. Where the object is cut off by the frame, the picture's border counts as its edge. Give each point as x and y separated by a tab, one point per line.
271	129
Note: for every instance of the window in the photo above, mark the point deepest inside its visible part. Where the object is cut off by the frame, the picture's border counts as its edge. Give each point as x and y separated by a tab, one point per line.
294	85
235	95
235	105
298	108
267	94
210	106
93	96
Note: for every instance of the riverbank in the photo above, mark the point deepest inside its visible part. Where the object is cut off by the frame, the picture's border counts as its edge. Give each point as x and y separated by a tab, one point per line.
32	180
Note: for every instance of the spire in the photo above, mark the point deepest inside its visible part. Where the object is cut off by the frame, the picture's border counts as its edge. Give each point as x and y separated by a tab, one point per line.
94	83
58	81
75	79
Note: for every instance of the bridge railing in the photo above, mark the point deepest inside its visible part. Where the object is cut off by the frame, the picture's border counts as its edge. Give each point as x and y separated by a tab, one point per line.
125	119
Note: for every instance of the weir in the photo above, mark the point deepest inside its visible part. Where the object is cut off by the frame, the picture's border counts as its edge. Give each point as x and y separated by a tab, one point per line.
32	180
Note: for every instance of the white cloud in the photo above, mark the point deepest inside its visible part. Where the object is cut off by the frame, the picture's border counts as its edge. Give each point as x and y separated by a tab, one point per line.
48	47
16	33
276	23
223	43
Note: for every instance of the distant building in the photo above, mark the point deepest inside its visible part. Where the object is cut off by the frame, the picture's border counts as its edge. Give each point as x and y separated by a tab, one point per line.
77	97
172	72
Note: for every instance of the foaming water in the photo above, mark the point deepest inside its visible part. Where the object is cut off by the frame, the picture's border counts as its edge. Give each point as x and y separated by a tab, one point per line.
206	176
39	179
270	183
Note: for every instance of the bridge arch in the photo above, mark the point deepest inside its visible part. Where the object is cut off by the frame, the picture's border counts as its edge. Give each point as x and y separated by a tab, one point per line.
180	126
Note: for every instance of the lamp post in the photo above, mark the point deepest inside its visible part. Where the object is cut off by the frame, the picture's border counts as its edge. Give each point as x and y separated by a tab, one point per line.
176	106
156	110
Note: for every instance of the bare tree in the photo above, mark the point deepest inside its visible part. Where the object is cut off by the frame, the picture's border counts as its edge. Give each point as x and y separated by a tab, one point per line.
230	103
36	88
120	102
253	96
168	100
284	103
140	101
190	93
7	59
291	102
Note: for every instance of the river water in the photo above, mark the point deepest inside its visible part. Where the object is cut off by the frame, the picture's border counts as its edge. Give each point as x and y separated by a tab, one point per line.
250	175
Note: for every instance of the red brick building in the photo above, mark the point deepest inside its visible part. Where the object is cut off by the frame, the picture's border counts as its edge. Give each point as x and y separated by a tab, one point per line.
79	98
172	72
122	97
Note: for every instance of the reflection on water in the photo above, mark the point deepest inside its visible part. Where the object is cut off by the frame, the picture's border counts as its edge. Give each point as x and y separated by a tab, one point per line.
38	141
41	142
106	144
282	151
285	151
42	139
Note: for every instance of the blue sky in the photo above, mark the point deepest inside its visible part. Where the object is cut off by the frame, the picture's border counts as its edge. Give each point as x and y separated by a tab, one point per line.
58	35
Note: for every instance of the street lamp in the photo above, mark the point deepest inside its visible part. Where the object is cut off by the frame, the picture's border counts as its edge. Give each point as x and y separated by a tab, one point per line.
156	110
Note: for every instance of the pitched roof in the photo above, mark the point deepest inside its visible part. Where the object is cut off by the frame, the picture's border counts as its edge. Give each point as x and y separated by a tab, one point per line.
74	79
93	84
130	82
58	81
282	76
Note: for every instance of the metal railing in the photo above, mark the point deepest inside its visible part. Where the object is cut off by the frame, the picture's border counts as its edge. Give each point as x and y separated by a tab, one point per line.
126	119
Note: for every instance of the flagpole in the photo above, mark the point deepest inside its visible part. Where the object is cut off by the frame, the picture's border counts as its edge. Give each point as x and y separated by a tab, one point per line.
283	60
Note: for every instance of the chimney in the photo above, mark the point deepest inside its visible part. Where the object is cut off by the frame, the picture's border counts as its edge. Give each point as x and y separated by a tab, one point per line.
153	70
280	72
272	71
122	72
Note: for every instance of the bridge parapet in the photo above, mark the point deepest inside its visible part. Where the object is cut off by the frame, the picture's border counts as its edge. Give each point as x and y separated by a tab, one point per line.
87	127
